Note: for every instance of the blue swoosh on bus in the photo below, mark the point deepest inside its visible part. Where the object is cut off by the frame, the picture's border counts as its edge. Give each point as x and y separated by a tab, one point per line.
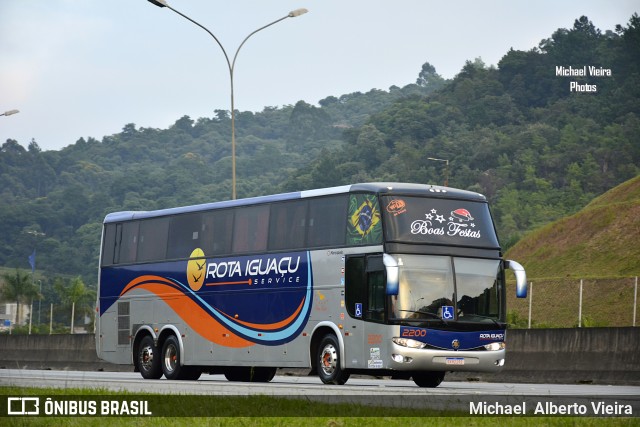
289	324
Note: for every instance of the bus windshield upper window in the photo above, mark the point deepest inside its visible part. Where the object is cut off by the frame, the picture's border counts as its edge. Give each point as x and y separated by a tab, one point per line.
424	220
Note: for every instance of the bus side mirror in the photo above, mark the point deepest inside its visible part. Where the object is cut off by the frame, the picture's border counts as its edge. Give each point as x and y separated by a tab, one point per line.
521	277
391	266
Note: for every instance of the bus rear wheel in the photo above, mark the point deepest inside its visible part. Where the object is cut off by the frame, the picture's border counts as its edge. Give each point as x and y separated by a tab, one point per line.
171	362
148	359
329	361
430	379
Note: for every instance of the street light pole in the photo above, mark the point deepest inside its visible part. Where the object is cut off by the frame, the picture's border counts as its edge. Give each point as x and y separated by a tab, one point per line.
36	234
231	67
10	112
446	169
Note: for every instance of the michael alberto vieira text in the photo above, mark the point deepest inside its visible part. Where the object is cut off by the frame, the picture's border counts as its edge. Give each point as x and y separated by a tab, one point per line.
550	408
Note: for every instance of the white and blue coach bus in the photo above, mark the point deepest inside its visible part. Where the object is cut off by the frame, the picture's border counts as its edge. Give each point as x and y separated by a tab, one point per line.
378	278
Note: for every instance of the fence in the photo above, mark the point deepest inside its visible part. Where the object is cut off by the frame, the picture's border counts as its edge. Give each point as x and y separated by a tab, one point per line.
40	319
570	302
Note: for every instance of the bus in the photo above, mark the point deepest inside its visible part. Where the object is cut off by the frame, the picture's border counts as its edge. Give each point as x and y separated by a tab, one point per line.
383	279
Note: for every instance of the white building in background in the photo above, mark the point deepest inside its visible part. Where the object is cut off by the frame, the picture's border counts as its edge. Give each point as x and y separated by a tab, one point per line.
8	314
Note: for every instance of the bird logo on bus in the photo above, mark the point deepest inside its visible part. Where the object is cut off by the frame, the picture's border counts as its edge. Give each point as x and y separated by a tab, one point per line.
195	269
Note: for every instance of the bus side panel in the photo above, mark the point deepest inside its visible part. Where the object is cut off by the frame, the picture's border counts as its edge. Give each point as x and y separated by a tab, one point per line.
248	311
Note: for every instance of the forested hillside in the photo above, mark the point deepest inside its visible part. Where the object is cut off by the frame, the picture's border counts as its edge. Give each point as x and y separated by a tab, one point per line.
600	240
517	133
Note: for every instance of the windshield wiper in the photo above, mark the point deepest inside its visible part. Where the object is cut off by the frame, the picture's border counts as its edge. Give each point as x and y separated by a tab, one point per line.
484	317
432	315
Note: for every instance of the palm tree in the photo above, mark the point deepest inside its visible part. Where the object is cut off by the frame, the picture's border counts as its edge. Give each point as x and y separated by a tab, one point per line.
17	288
77	296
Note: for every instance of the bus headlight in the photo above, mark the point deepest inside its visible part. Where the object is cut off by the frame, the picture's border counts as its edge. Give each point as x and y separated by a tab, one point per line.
408	342
495	346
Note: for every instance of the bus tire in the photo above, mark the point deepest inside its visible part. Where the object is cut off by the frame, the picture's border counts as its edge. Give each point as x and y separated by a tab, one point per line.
236	374
190	373
148	359
430	379
330	363
249	374
171	367
263	375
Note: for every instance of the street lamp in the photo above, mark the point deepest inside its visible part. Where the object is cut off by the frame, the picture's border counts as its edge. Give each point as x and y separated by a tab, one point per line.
36	234
10	112
446	169
231	66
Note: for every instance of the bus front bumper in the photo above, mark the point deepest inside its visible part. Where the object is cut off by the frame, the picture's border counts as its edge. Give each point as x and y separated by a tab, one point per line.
413	359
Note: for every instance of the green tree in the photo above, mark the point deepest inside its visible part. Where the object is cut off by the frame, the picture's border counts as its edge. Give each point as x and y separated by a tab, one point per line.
76	297
428	78
370	147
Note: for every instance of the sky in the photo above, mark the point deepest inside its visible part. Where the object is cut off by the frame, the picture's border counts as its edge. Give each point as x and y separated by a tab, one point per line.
86	68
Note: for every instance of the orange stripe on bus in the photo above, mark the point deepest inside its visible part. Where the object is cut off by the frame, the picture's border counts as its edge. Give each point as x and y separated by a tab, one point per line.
193	315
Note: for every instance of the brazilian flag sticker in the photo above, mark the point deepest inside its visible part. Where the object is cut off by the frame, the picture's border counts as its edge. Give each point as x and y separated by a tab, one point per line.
364	226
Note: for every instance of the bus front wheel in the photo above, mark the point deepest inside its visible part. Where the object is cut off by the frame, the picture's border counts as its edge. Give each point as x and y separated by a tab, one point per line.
148	359
329	361
428	379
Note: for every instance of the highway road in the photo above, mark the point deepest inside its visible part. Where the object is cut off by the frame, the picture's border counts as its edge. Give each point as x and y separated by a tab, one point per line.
293	385
386	392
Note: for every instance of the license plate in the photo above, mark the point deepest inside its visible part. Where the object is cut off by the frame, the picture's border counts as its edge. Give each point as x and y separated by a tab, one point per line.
454	361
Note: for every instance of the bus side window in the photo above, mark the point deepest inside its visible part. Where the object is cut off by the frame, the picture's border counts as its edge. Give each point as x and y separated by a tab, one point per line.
376	281
152	244
250	229
376	287
288	225
109	244
184	235
327	225
129	242
217	227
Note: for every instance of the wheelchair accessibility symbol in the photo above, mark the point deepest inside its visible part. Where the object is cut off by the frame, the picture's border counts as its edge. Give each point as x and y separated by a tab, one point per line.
358	309
447	312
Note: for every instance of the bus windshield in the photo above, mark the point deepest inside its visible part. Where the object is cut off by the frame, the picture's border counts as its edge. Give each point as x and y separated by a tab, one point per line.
446	289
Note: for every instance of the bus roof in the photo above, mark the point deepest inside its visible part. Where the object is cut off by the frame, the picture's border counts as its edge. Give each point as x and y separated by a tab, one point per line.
383	188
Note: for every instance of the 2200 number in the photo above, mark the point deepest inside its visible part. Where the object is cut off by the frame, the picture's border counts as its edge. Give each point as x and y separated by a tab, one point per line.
414	333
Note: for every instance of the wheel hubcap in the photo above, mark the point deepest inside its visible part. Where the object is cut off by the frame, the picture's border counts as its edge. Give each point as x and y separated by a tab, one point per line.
146	358
170	358
328	359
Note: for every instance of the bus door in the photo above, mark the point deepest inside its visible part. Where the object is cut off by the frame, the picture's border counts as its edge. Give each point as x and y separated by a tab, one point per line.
365	300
